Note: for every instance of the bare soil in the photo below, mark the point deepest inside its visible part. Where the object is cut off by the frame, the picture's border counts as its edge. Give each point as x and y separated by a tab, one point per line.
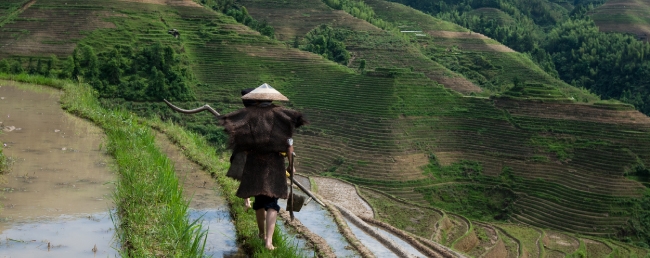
485	47
596	248
469	46
49	31
456	34
570	111
290	22
486	243
467	243
458	84
343	194
167	2
498	251
562	242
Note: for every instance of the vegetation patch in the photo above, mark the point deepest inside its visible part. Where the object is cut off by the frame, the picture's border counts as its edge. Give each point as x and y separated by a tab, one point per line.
596	248
626	16
4	160
528	237
232	9
560	242
416	220
327	42
480	202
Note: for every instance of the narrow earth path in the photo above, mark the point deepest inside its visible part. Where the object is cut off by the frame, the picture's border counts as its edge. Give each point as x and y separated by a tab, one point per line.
58	195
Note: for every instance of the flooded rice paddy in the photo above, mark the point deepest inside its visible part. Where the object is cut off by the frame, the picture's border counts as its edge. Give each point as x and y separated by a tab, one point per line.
405	245
319	221
295	240
58	191
207	205
377	248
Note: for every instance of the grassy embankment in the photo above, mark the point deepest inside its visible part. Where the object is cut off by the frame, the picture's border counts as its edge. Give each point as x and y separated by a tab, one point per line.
4	164
148	196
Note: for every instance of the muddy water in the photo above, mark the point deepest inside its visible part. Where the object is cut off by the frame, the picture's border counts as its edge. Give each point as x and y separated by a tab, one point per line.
377	248
59	187
319	221
206	203
405	245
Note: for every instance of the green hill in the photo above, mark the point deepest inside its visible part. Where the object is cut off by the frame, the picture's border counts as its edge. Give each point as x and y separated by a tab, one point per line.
526	148
628	16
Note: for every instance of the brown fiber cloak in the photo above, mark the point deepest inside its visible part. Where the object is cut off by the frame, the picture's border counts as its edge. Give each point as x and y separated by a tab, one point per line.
263	133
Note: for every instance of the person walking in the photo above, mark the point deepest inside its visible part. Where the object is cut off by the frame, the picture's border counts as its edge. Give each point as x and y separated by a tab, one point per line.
263	131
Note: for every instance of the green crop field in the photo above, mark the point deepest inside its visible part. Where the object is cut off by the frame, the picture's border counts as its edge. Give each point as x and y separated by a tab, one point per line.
628	16
450	120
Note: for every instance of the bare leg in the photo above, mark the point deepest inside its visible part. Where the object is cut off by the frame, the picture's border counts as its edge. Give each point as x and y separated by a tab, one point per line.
260	214
271	216
247	203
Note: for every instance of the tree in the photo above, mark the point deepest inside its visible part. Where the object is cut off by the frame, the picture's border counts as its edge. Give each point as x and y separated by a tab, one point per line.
328	42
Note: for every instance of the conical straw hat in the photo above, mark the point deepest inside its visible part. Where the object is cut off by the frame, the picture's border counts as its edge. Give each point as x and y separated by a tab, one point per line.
265	92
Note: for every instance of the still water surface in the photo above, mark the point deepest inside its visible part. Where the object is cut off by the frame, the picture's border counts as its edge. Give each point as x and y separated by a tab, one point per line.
58	191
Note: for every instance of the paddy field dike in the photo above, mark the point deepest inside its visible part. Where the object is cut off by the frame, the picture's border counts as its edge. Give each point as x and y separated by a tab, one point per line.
449	135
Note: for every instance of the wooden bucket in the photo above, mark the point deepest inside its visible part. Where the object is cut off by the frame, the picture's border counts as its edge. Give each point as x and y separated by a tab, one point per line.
298	202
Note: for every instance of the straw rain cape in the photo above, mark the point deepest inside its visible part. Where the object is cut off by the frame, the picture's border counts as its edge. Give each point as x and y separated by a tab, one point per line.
262	131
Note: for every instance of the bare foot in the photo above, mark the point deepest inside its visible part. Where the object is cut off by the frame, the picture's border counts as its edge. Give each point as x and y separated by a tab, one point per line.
270	247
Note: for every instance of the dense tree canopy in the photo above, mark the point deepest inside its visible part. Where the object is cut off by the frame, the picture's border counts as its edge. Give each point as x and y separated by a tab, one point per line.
328	42
232	9
133	73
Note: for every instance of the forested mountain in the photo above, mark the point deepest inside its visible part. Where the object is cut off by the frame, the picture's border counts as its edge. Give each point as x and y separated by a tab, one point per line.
562	38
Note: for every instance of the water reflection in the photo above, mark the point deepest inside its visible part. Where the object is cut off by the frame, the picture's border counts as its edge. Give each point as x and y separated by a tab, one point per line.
58	189
377	248
64	236
320	222
221	240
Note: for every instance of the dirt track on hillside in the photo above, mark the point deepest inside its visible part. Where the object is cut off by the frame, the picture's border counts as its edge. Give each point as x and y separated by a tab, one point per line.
469	46
167	2
458	84
343	194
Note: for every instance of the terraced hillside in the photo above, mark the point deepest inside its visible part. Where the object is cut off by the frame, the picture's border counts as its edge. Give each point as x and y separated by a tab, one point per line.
399	128
627	16
428	121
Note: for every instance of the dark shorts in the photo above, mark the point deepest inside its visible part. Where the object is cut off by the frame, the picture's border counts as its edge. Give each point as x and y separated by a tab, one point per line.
263	201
